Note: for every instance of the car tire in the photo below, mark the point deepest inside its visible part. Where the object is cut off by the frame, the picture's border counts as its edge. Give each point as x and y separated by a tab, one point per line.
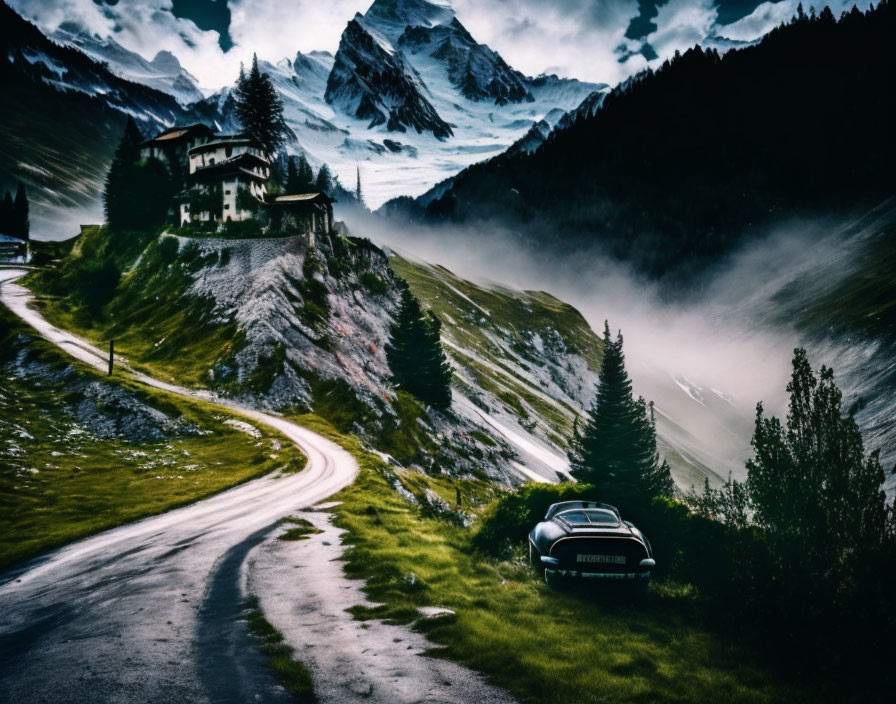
552	579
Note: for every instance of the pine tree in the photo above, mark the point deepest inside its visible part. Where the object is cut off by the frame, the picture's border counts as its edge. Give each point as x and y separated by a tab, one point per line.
617	450
292	176
324	182
359	196
118	194
259	108
812	486
306	175
137	194
415	355
21	223
7	210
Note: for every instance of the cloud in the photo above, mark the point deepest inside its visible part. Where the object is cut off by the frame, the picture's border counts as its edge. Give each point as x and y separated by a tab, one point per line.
145	27
584	39
277	30
573	38
768	15
681	24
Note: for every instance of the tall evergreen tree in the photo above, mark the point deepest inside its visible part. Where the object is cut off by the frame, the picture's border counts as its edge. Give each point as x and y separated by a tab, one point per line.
299	175
812	486
292	176
617	450
306	175
137	194
118	194
7	210
324	182
359	196
415	355
21	222
259	108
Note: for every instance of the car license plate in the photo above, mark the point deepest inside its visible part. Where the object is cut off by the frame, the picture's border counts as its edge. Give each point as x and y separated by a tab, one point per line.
612	559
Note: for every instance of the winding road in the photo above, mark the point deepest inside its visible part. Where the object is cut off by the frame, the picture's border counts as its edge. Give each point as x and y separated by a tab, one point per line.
150	611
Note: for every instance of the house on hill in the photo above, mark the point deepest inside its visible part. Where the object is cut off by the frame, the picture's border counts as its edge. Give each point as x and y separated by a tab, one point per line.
223	178
223	172
172	147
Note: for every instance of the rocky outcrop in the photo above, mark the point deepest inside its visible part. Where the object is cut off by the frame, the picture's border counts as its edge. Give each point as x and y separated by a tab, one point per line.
372	81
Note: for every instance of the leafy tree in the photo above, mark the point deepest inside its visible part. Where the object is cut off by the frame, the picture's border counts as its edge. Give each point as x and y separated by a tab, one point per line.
616	451
324	182
814	490
415	355
21	224
260	109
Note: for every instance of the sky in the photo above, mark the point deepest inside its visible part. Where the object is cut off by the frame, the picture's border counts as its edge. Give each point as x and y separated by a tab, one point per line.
597	40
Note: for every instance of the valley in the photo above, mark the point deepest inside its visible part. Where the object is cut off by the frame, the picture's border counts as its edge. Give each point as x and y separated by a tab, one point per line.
438	380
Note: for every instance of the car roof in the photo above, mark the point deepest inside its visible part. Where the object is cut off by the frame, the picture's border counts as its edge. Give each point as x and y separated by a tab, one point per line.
566	505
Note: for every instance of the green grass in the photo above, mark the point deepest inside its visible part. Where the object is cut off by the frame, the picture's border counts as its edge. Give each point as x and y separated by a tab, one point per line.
167	333
292	674
59	483
500	325
578	645
302	529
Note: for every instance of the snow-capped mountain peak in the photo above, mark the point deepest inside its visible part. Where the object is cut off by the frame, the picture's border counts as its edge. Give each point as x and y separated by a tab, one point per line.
391	17
163	73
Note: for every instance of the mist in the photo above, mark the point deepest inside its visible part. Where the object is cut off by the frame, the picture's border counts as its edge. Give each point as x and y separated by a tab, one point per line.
705	356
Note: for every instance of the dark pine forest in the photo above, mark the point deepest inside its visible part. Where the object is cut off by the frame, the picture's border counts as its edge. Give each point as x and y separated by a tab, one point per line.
683	163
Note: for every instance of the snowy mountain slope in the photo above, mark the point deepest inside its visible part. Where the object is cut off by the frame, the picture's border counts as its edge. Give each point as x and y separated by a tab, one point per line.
69	113
474	69
164	72
372	82
459	93
526	366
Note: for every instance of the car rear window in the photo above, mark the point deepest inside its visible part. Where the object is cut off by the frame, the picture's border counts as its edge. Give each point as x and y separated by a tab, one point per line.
589	517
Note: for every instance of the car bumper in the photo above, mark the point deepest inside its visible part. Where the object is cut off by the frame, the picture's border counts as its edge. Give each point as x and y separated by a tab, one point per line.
599	575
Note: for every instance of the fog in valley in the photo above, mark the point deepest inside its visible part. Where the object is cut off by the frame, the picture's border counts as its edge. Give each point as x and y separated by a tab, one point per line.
706	355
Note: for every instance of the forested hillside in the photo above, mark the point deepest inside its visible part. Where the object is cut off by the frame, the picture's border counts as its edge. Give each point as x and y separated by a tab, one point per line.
681	164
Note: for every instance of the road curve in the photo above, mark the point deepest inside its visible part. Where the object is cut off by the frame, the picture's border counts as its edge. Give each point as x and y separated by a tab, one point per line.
148	612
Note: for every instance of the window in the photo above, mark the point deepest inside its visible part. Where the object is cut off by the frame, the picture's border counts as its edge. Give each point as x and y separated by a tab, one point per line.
227	192
228	151
594	517
227	206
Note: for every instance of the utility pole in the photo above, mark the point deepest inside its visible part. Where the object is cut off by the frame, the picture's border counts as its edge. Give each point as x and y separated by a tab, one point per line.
111	355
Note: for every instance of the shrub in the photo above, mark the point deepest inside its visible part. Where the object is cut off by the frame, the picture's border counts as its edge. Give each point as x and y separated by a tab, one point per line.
509	520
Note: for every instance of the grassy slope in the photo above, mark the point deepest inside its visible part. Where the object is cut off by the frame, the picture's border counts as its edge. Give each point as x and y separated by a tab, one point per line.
63	484
541	644
474	317
864	302
167	334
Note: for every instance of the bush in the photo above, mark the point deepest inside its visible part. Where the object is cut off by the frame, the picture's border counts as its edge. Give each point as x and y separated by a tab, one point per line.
94	281
168	248
373	283
508	521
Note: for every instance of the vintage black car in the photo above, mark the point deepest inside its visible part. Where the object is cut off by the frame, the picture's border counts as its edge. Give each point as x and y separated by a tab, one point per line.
590	540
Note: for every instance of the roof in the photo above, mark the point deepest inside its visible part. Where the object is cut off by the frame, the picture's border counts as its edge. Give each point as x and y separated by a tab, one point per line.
235	159
228	167
225	140
9	239
175	133
303	198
